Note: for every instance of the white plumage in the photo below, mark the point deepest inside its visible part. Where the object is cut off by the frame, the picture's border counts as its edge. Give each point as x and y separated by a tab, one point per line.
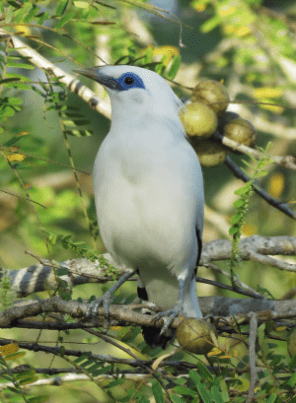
149	190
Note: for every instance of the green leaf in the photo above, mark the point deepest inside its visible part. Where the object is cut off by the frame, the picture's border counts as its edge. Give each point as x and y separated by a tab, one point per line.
14	390
63	271
233	230
292	380
12	141
242	190
117	382
205	373
210	24
43	17
271	398
262	173
9	80
13	4
174	67
216	395
148	55
63	21
238	203
9	14
38	399
81	4
177	399
61	7
20	14
20	65
31	15
101	371
204	393
157	393
184	391
224	390
25	374
235	219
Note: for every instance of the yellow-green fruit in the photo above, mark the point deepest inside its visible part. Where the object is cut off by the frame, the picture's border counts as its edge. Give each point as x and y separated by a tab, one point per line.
194	335
291	344
199	120
242	131
210	153
213	94
226	118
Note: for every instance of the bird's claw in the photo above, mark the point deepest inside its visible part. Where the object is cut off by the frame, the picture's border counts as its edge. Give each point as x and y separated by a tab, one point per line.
93	307
169	316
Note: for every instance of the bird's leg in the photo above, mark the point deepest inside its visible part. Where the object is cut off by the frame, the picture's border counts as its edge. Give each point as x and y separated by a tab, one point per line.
105	300
176	310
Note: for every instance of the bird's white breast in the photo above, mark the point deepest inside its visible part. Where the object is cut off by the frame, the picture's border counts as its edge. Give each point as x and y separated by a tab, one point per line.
149	197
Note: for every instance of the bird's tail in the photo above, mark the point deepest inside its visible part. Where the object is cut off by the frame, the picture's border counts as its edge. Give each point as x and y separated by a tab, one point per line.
152	335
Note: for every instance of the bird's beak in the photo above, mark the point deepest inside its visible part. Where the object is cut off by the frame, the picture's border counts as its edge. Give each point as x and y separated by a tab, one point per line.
95	74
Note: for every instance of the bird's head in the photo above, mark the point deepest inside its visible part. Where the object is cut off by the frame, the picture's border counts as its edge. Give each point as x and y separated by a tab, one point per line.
135	88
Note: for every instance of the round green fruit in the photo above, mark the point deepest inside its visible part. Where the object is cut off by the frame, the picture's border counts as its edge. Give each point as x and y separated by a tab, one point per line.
212	93
199	120
242	131
210	153
194	335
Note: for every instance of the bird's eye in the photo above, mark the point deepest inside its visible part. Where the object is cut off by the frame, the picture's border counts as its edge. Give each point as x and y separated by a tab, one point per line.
129	80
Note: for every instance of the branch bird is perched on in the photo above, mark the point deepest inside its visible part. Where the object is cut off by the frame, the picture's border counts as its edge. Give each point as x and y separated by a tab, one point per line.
149	194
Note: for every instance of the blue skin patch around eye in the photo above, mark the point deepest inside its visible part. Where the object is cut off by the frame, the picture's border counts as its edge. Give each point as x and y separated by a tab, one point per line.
129	80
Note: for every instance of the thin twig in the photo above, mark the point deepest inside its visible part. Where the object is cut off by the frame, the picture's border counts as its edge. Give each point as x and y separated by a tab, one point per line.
238	173
287	161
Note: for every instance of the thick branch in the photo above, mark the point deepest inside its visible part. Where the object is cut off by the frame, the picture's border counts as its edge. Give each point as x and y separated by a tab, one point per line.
125	315
81	271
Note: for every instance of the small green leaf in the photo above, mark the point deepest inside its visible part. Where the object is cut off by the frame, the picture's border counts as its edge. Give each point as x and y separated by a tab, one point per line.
174	67
63	271
158	393
262	173
13	4
81	4
101	371
205	373
242	190
61	7
14	390
25	374
43	17
233	230
235	219
238	203
182	390
292	380
204	393
217	398
20	14
20	65
66	18
271	398
38	399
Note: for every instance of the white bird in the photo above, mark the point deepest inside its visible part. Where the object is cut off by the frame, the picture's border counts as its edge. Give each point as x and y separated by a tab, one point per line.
149	194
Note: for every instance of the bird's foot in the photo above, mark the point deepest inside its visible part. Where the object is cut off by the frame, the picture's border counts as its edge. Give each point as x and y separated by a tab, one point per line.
169	316
93	307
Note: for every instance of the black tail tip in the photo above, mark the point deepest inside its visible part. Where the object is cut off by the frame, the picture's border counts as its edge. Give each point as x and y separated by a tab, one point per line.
154	339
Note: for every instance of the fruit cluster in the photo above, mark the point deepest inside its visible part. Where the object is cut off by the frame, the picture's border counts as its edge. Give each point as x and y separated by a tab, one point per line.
206	114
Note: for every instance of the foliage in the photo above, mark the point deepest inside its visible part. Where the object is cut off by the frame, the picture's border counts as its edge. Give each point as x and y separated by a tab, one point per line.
7	294
241	205
45	130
